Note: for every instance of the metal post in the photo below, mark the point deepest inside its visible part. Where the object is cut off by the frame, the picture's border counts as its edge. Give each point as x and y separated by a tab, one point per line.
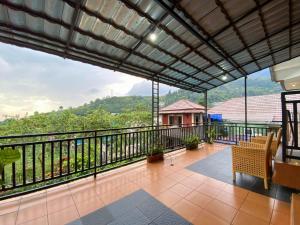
206	116
246	108
284	126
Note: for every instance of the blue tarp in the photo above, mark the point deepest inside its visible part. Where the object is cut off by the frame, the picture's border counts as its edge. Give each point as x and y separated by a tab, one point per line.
216	117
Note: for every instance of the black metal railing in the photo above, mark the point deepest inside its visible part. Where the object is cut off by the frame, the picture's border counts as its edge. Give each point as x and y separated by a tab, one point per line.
290	102
55	158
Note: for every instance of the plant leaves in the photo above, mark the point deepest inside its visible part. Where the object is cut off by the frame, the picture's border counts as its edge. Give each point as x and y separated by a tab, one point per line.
8	156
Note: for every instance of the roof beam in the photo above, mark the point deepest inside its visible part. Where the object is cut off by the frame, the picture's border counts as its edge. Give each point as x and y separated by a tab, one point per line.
236	30
261	16
94	53
75	18
219	50
141	39
130	5
250	12
89	34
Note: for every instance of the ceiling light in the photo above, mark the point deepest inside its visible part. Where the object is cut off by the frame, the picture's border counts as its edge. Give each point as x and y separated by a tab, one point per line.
293	85
224	77
153	37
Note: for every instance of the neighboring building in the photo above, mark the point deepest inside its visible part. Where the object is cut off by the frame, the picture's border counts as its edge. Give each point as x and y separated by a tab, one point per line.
263	108
182	112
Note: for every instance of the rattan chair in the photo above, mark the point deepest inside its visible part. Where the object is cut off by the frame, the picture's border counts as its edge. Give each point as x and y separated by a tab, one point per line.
275	142
253	159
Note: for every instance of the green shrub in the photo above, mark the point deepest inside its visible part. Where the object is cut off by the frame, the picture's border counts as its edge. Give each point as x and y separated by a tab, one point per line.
192	142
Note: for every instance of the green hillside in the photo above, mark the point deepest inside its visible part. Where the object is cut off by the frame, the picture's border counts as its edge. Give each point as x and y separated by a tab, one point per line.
128	111
257	85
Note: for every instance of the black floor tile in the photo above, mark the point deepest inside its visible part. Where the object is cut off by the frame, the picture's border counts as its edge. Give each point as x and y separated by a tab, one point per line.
139	208
219	166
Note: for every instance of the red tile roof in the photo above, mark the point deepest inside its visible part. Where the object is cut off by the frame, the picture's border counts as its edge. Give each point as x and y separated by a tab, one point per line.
263	108
182	106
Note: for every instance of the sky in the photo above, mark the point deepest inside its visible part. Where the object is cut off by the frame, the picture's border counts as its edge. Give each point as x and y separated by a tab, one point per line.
35	81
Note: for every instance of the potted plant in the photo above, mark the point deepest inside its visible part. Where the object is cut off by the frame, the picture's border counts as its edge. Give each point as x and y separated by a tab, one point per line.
191	143
155	154
211	135
7	156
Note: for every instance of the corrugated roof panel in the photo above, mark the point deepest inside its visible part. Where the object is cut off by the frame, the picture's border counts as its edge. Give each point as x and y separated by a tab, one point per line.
136	60
209	53
202	76
192	81
296	10
206	86
3	14
250	68
276	15
260	49
196	60
251	25
229	41
236	73
206	14
295	32
150	7
265	62
180	31
55	31
243	7
213	70
280	39
242	57
225	65
154	54
281	56
184	67
216	82
168	43
17	18
67	13
172	73
295	50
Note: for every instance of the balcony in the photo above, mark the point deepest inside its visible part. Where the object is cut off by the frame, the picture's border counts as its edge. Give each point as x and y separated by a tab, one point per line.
193	197
69	186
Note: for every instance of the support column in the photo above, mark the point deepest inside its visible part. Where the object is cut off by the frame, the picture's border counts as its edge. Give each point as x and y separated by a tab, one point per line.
155	104
246	107
205	122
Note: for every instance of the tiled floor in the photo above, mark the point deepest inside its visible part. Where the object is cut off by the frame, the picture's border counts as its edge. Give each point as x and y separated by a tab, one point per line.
218	166
196	198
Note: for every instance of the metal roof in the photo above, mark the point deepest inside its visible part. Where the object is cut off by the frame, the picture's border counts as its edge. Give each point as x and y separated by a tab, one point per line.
201	44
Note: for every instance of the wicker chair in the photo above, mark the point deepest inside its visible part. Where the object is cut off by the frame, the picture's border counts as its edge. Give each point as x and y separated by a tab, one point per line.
253	159
275	142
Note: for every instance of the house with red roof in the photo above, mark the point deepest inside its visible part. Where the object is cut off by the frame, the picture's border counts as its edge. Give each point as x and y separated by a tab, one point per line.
182	112
261	109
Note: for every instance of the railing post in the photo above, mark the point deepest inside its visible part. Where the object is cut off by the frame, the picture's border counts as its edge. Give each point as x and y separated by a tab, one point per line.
246	107
95	155
284	126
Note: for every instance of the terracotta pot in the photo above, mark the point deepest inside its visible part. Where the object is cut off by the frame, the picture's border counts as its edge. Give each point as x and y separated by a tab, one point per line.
155	158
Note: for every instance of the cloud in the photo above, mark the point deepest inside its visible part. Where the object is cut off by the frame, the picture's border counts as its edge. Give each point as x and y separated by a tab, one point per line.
35	81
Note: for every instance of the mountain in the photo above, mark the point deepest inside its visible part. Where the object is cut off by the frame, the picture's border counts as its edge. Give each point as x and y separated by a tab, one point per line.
257	84
144	89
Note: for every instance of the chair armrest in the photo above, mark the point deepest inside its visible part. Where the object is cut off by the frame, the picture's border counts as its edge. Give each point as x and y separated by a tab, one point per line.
247	152
245	144
258	140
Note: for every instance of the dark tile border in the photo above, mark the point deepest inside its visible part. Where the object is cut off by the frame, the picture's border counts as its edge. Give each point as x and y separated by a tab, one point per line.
219	167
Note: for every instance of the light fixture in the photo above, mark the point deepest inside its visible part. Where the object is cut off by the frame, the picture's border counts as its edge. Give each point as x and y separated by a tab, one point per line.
224	77
153	37
293	85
